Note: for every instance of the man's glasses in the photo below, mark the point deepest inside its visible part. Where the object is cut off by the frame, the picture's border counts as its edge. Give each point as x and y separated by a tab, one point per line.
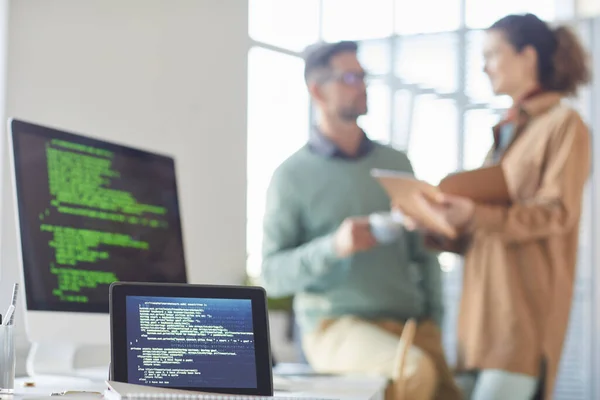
347	78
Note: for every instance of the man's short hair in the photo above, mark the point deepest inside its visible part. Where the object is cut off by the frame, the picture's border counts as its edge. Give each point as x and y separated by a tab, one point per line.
318	56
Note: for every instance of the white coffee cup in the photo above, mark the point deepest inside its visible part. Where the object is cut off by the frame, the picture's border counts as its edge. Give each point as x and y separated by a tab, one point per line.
386	227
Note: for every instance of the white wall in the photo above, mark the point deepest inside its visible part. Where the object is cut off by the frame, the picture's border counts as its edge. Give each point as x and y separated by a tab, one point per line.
167	75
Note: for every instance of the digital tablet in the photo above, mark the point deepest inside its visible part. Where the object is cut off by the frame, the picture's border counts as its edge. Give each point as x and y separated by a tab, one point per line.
195	337
482	185
413	197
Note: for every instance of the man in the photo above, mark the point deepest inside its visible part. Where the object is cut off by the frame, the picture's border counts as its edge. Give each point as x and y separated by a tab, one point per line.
352	295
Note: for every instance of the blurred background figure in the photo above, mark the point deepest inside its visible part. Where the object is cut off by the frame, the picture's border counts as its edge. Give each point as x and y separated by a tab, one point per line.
520	259
356	276
428	95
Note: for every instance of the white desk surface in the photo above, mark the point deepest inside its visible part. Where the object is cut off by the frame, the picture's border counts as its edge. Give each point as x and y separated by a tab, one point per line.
329	387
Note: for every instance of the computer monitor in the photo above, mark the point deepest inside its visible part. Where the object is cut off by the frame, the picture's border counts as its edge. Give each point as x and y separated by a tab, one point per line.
89	213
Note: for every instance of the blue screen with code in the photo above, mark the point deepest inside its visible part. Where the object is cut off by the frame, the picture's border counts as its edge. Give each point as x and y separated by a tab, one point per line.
190	342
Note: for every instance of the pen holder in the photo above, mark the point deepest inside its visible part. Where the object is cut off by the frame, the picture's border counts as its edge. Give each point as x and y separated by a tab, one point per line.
7	359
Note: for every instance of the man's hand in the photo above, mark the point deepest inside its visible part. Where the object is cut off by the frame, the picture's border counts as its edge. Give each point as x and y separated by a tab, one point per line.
353	235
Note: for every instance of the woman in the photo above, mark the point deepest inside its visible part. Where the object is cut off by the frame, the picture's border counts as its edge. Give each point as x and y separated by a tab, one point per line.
519	259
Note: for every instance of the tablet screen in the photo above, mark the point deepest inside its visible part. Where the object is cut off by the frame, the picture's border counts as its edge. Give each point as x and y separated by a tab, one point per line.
190	342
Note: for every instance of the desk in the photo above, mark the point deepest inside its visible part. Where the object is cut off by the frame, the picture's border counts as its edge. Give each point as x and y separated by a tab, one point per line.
349	387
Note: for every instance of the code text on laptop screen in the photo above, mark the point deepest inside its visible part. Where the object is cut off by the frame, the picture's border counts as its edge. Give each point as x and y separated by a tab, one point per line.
190	342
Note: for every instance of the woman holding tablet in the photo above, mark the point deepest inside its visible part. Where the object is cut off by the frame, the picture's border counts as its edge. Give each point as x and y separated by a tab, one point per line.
519	259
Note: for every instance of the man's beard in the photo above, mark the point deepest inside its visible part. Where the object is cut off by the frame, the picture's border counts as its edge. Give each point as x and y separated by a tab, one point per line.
351	114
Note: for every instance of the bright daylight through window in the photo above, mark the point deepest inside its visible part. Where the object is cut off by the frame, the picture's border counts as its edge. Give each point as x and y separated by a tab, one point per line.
427	93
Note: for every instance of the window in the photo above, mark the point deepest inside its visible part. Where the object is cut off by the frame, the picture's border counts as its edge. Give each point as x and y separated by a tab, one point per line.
403	115
375	57
357	19
278	118
482	14
417	17
478	87
433	145
478	137
377	122
289	24
428	61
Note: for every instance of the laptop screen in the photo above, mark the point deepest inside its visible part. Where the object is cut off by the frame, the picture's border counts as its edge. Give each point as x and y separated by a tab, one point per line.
190	342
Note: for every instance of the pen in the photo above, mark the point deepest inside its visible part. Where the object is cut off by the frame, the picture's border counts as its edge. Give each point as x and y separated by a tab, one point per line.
8	315
14	302
75	392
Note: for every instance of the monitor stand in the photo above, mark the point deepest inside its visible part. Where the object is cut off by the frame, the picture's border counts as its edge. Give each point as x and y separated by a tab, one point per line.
68	362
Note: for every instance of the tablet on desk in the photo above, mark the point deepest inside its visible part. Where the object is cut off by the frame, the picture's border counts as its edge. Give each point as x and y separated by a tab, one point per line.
196	337
413	197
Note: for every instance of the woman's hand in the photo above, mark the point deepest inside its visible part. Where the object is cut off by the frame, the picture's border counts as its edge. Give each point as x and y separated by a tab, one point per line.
411	223
458	210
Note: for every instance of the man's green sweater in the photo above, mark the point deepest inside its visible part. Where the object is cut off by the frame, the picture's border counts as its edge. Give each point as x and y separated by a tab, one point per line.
309	196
